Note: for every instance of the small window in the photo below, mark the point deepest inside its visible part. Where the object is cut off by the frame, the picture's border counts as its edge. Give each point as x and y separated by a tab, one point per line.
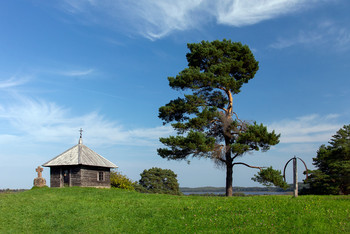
100	176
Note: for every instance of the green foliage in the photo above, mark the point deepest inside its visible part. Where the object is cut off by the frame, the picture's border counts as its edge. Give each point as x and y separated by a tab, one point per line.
118	180
204	119
36	187
180	147
157	180
91	210
333	166
217	64
270	177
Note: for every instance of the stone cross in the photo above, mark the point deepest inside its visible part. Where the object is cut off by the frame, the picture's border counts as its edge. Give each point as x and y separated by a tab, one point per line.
39	170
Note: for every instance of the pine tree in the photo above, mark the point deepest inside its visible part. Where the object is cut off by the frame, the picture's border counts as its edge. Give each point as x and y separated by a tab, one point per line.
206	123
333	166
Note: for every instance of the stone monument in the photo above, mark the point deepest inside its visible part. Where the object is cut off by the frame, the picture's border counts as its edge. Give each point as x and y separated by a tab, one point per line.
39	181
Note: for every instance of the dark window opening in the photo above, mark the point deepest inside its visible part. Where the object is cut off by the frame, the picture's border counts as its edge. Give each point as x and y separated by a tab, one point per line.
101	176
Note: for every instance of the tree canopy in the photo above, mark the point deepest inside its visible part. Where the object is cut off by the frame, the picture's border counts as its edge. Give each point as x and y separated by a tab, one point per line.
157	180
333	166
204	118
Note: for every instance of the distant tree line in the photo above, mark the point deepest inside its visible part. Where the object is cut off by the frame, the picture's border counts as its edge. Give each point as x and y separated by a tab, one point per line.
12	190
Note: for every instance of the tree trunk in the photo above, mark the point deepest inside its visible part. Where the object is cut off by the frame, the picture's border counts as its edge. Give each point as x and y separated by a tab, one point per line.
229	174
229	180
229	167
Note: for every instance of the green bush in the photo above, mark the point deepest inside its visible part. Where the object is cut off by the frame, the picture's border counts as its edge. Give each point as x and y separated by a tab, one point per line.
118	180
157	180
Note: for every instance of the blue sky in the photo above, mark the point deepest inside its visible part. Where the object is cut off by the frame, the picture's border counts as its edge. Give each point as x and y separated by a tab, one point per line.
102	65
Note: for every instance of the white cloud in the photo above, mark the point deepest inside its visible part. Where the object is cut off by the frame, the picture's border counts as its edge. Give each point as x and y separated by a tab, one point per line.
155	19
159	18
326	32
308	37
78	72
13	82
43	121
242	12
307	129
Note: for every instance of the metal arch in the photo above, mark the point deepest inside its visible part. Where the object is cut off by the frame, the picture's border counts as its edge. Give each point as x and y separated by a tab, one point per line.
284	170
307	171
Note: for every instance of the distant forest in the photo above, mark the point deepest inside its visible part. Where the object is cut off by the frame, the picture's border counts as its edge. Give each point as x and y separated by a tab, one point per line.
12	190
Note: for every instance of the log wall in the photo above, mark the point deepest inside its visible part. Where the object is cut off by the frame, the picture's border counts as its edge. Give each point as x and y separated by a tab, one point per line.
79	175
55	175
89	177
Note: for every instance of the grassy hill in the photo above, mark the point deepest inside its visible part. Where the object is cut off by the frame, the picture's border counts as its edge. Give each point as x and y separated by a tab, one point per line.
90	210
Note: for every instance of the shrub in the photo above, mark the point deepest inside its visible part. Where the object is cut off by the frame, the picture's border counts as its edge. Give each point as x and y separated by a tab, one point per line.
118	180
157	180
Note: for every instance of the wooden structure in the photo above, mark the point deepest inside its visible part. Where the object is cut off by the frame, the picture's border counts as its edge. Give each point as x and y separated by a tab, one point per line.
80	166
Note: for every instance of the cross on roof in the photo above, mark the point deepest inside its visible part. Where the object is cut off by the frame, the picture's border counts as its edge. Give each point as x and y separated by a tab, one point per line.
39	170
81	133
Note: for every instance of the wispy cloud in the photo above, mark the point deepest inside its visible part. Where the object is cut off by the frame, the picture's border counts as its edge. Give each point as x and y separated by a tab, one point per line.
13	82
307	129
155	19
163	17
303	37
240	13
42	121
77	72
326	32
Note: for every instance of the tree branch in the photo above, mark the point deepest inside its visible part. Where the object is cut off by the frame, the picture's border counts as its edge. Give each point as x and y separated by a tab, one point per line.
240	163
224	109
213	121
222	160
236	155
230	99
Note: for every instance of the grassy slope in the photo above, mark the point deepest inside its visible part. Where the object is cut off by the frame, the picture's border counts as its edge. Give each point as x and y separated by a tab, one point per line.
88	210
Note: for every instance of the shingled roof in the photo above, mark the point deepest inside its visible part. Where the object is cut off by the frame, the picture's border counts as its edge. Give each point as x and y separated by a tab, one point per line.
80	155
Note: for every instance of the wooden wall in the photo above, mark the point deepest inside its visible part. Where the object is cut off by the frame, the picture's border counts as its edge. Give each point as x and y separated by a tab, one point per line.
79	175
55	173
75	176
89	177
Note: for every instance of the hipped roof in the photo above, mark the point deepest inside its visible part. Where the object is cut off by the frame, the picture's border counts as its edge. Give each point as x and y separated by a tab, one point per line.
80	155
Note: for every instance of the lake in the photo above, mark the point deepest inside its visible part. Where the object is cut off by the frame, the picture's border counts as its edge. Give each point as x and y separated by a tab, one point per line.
244	192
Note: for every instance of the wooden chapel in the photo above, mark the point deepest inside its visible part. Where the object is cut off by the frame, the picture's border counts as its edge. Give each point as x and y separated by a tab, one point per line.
80	166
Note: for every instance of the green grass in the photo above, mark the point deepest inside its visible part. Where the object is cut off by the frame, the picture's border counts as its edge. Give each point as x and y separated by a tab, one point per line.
89	210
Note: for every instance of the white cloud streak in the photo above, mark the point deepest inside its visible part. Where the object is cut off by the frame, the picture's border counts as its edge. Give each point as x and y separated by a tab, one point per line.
326	32
307	129
78	72
155	19
42	121
12	82
243	12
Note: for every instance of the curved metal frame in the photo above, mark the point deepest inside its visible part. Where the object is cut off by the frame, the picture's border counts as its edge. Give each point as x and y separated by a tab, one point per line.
284	170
